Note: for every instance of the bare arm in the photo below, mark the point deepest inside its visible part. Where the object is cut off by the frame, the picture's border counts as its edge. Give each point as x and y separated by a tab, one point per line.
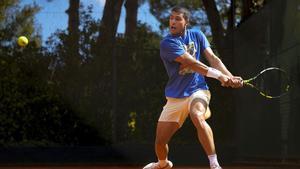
186	60
215	62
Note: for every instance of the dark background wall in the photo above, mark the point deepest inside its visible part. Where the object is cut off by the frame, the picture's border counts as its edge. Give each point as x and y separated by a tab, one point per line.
268	128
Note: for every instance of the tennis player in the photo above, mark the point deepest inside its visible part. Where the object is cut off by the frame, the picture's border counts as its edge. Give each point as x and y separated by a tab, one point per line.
186	91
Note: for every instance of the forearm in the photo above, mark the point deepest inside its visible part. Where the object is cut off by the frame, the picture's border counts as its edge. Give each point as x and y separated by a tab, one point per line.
186	60
198	67
218	64
203	69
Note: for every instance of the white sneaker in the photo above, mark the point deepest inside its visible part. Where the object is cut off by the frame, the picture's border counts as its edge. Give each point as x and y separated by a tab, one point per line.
215	167
156	166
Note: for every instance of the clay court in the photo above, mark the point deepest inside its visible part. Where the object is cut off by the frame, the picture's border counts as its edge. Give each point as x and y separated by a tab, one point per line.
139	167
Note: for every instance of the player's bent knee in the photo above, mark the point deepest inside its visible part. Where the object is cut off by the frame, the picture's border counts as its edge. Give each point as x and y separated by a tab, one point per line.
198	119
197	115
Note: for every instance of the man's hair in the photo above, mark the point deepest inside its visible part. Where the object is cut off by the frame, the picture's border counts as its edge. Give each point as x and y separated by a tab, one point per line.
186	13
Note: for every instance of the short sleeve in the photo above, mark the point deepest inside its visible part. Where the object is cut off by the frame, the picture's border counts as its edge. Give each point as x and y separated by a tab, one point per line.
203	42
170	49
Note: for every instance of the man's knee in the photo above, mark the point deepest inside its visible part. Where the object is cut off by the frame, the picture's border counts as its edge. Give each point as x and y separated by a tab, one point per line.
198	119
198	115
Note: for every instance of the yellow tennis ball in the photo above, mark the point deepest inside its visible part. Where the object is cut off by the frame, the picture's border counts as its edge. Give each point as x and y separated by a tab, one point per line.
22	41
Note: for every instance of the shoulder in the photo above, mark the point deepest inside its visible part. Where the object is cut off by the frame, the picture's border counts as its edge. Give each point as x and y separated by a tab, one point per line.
196	32
169	40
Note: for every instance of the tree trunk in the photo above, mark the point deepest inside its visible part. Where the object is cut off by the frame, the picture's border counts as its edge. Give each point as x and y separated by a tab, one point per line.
109	22
72	59
215	23
231	16
105	48
131	17
223	40
73	30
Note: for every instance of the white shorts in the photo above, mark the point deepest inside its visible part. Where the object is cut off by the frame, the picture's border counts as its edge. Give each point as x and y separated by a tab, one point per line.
177	109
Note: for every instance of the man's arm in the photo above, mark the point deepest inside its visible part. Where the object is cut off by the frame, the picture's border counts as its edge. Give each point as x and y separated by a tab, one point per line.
186	60
215	61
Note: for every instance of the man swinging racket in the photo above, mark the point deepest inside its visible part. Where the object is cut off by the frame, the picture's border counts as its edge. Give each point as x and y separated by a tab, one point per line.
186	91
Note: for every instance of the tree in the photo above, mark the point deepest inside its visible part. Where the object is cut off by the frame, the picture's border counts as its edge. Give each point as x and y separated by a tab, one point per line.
131	7
215	22
73	29
109	23
131	17
4	5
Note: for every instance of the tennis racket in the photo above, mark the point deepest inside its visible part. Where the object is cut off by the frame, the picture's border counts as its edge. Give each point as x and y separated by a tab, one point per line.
271	82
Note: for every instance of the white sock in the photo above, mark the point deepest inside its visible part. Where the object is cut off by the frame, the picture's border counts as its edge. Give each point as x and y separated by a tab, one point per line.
213	161
162	163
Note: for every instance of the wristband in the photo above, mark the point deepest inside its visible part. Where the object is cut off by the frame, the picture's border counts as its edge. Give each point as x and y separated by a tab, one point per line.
214	73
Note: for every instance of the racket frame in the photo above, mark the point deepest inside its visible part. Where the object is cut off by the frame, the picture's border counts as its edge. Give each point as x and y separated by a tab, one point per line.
249	84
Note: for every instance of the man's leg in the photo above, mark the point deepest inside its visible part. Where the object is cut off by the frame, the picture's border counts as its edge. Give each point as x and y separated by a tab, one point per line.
204	132
164	132
171	119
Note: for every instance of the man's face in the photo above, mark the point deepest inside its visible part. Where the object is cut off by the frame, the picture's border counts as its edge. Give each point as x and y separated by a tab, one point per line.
177	23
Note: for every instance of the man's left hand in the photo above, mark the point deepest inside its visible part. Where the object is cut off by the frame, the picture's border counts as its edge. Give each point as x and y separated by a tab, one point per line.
236	82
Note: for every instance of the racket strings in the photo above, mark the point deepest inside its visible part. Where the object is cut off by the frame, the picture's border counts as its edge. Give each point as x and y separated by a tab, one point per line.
272	83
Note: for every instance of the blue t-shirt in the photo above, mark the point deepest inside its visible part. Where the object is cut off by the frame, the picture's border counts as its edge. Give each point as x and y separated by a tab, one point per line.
183	82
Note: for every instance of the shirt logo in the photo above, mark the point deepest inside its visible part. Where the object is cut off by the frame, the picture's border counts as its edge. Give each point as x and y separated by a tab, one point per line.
191	49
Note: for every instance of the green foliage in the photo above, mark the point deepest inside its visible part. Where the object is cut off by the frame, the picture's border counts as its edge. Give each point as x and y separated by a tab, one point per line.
141	80
32	113
34	110
4	6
